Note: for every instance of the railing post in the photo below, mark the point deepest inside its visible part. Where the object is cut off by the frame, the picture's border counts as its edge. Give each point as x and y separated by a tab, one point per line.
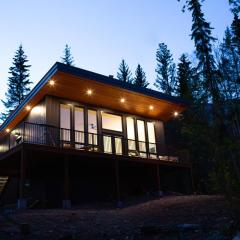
23	133
9	140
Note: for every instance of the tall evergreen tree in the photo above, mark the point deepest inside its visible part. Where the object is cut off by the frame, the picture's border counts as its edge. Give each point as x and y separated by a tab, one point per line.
18	82
165	70
235	6
235	27
184	77
67	58
201	34
229	67
140	77
124	74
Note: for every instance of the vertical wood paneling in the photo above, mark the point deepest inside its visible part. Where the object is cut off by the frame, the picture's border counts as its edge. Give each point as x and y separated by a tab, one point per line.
53	111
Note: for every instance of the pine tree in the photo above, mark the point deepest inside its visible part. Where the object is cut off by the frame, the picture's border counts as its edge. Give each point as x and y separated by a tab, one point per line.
229	67
140	77
235	6
18	82
165	70
235	27
124	73
67	58
184	77
201	34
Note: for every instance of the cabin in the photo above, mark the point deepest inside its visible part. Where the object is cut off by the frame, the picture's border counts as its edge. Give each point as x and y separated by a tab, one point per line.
80	136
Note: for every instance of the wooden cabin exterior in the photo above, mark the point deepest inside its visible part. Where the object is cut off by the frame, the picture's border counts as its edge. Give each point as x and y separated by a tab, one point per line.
79	136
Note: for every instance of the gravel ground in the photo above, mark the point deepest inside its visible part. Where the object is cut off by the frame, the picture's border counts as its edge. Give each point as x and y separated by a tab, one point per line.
104	223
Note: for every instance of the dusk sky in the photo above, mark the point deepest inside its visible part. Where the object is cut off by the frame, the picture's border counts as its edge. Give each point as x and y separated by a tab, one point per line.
100	33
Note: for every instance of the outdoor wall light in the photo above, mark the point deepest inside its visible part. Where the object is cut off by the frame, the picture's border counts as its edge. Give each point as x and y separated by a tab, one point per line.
28	108
122	100
89	92
7	130
51	82
175	114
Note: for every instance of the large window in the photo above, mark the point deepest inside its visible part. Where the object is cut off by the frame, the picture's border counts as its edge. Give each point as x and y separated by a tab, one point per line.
131	136
111	122
65	122
79	126
151	139
141	138
92	127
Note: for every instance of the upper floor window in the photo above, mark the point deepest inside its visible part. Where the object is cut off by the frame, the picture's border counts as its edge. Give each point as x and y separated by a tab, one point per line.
111	122
65	116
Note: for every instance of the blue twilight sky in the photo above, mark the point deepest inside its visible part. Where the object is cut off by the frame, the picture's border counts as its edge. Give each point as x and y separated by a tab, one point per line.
100	32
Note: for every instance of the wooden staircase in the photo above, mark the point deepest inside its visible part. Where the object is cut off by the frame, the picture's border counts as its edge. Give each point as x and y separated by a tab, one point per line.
3	182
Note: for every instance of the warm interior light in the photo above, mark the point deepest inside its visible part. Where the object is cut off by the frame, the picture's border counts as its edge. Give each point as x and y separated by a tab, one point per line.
7	130
51	82
151	107
175	114
122	100
28	108
89	92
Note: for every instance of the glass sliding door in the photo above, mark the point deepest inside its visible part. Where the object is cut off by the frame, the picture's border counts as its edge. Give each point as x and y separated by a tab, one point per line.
118	145
112	123
141	138
151	140
65	125
107	144
131	136
92	128
79	127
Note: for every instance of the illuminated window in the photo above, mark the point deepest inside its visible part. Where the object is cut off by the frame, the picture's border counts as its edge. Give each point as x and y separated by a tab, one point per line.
151	139
79	125
131	134
92	127
65	122
141	137
111	122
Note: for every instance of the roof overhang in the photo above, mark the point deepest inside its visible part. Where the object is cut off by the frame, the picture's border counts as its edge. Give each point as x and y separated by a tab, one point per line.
72	83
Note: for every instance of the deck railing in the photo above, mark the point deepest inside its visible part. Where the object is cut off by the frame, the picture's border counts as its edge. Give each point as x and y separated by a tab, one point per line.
42	134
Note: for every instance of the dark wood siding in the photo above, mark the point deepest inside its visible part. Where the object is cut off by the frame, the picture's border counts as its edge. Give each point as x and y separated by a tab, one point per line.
37	113
160	135
52	111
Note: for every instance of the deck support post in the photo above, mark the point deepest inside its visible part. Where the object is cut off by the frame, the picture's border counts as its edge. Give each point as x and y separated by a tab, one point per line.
22	201
159	191
192	181
117	183
66	203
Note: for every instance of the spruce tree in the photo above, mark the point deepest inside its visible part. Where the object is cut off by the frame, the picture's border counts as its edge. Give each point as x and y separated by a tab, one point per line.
235	6
67	58
229	67
165	70
124	74
235	27
184	77
201	34
18	82
140	77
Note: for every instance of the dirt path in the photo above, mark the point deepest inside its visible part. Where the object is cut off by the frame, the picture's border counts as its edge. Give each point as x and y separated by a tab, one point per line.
121	224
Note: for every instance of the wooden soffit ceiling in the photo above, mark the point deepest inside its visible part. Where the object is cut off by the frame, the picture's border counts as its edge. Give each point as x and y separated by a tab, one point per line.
74	88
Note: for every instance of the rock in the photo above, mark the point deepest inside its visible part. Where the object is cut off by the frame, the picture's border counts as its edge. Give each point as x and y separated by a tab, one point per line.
237	237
